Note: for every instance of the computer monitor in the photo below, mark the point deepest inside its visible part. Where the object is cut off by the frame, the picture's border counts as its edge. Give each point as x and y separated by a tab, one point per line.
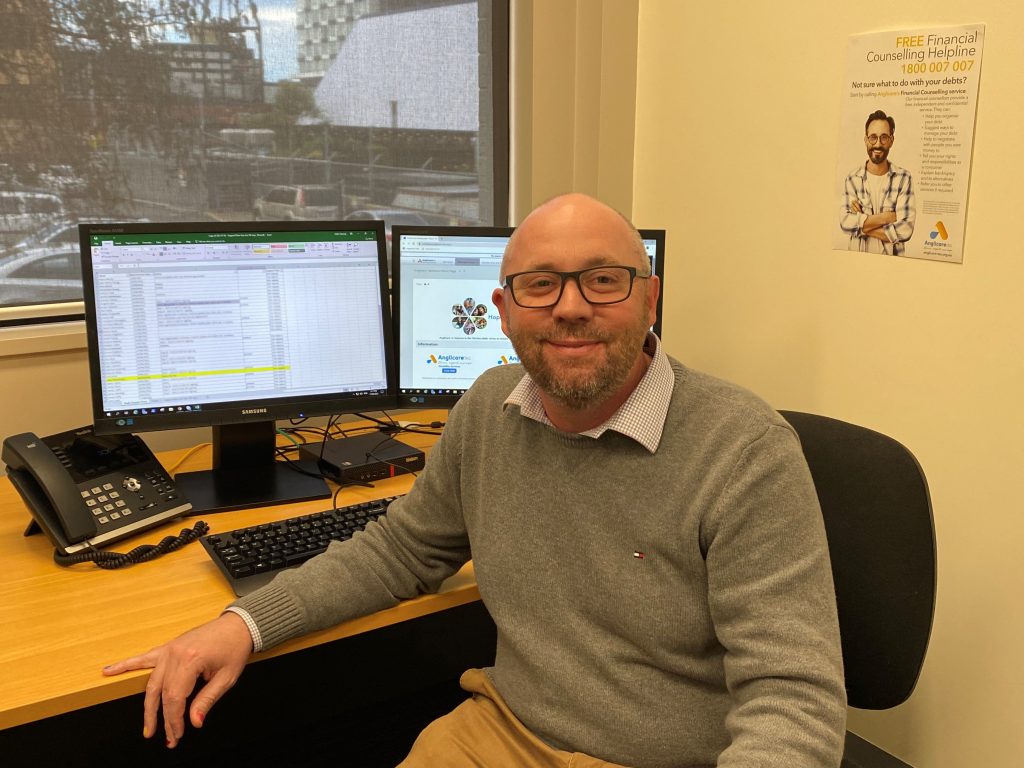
234	326
446	330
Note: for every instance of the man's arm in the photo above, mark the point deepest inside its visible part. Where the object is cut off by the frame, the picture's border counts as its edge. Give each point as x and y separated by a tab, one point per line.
876	221
851	215
420	542
891	227
773	605
904	216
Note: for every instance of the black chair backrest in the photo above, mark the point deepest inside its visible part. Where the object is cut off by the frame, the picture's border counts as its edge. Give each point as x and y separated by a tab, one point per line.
878	519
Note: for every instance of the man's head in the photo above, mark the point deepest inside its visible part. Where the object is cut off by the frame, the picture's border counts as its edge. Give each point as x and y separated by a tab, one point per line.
578	352
879	135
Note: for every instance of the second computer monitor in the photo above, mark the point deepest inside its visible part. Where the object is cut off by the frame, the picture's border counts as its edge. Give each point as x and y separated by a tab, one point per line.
447	332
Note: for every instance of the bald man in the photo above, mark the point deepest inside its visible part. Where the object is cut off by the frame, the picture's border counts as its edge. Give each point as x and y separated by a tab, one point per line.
646	538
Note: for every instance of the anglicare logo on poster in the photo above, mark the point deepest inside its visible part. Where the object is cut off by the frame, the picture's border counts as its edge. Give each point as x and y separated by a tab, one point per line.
937	244
508	360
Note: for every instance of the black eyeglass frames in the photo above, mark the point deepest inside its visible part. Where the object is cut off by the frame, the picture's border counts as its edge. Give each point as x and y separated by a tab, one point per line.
541	288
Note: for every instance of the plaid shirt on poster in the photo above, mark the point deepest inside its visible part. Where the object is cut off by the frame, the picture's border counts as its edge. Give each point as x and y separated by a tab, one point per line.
898	197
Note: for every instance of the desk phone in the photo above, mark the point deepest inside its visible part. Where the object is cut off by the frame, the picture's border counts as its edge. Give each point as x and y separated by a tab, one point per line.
86	490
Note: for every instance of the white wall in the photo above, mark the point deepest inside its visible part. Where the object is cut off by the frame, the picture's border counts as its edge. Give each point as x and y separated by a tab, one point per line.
736	144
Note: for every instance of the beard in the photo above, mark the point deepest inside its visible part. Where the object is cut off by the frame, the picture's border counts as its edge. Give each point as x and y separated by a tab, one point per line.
581	383
881	158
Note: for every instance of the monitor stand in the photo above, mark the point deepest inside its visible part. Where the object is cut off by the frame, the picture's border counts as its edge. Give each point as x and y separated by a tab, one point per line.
245	473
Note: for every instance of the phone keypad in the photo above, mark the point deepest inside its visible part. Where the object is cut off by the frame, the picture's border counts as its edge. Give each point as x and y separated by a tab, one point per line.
111	504
106	504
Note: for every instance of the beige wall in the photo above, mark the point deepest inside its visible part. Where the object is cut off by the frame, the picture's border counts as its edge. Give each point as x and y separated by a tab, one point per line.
44	380
44	385
736	145
573	103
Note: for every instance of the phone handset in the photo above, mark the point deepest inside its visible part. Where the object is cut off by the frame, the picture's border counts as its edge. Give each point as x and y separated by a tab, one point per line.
40	476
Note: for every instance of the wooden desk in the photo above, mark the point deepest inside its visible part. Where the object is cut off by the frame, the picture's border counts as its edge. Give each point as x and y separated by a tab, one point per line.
60	626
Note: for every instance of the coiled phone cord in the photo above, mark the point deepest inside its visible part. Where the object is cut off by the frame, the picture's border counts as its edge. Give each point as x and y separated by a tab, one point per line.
141	554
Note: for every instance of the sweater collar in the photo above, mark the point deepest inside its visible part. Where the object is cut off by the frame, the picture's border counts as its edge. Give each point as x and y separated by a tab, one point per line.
641	417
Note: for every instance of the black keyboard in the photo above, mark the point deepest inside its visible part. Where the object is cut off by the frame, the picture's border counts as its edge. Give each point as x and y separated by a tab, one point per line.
251	557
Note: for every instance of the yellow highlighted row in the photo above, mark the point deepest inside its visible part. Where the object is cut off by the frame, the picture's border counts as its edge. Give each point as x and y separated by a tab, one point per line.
189	374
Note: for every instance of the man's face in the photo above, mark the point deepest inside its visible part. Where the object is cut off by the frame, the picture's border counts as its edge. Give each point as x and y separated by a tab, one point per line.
878	140
578	353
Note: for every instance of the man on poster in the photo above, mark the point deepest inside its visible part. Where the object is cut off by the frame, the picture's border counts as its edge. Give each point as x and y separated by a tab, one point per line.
878	210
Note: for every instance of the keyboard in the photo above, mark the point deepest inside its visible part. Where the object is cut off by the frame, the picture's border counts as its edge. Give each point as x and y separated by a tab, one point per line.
251	557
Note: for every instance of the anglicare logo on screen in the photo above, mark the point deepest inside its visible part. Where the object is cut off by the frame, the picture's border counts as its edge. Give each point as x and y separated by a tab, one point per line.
469	316
447	359
508	360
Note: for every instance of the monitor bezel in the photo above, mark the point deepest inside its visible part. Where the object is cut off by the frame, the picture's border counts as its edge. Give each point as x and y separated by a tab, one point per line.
421	400
235	412
658	236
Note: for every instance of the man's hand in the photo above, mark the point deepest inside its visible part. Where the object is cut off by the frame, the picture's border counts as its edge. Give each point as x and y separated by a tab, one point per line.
216	651
856	207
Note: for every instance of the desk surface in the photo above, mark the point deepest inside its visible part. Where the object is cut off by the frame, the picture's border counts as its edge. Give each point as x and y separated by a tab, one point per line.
60	626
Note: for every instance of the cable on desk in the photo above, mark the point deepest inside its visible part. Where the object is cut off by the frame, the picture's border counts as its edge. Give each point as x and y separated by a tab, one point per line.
385	426
188	453
298	434
293	465
433	428
141	554
343	486
287	433
327	432
392	427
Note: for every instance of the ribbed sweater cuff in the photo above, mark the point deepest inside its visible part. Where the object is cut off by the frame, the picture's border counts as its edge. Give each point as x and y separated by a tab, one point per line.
276	614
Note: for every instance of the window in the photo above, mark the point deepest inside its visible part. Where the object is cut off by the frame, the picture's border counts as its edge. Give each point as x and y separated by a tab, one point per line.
190	110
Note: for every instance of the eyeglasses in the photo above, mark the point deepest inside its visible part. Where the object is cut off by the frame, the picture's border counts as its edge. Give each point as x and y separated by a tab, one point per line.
539	289
885	138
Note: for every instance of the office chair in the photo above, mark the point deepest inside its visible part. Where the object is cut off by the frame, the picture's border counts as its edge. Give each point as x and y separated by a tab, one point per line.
878	520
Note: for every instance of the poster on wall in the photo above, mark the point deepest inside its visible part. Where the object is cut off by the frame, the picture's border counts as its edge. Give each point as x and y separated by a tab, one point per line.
905	140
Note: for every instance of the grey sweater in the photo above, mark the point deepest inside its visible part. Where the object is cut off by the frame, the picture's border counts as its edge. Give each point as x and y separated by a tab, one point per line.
667	609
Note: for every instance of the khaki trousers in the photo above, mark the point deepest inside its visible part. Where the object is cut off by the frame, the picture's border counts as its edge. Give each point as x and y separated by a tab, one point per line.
483	733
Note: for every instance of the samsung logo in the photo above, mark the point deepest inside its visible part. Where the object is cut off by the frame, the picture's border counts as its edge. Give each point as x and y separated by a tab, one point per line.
247	411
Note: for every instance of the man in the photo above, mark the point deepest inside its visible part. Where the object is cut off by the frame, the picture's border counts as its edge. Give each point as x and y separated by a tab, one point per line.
646	538
878	210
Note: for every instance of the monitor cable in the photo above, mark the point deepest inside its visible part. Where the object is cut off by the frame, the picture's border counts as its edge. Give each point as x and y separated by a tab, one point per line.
141	554
391	426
